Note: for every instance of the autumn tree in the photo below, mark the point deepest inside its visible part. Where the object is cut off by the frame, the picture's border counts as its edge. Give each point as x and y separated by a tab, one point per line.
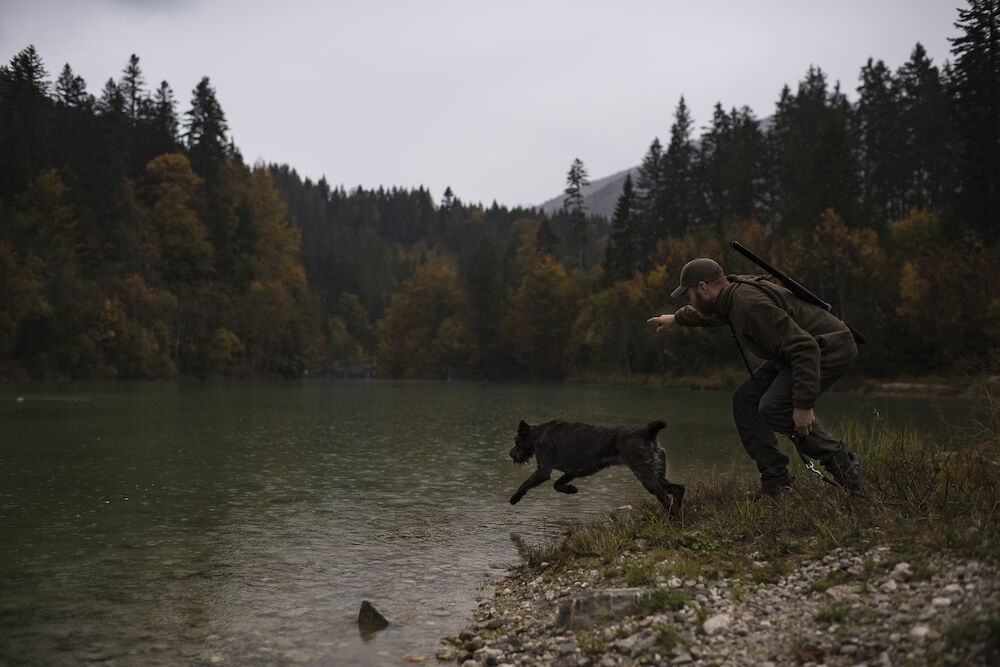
538	325
425	332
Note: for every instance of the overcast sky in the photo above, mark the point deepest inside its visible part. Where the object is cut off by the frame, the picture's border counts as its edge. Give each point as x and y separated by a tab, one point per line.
493	98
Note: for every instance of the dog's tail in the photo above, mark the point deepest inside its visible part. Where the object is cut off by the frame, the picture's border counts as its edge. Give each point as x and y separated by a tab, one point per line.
653	428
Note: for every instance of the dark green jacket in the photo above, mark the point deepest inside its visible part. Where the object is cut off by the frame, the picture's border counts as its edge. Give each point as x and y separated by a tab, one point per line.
775	324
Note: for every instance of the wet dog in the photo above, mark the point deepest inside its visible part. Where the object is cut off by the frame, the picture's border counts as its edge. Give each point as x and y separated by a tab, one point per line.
579	450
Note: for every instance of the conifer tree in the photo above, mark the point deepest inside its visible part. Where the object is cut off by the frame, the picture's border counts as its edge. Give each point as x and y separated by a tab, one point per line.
813	155
621	255
929	132
131	88
976	88
111	102
164	120
648	188
206	127
25	121
677	206
883	144
71	90
576	179
731	169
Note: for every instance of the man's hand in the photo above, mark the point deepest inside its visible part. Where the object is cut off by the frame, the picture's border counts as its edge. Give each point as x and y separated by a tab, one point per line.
803	419
662	322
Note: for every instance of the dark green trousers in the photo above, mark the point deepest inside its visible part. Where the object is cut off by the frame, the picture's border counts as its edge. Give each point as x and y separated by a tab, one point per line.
762	406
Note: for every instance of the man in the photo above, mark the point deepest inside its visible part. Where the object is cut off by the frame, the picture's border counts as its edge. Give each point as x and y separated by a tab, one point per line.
806	350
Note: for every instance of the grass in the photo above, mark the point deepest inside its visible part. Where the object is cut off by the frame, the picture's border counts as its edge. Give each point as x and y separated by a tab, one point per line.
924	494
832	579
670	638
838	612
664	599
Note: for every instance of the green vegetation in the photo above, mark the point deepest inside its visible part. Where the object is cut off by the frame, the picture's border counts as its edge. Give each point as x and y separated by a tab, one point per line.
923	496
838	612
135	242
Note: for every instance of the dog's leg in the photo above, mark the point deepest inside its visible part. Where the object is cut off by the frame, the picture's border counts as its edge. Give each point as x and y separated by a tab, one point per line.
644	465
676	492
537	477
562	484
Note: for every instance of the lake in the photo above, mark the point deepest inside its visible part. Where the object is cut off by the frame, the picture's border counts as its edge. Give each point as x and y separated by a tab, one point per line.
244	523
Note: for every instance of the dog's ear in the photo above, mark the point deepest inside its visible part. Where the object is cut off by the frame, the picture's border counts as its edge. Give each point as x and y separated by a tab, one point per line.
523	428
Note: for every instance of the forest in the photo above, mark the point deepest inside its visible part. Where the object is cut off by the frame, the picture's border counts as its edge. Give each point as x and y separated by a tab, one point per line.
136	243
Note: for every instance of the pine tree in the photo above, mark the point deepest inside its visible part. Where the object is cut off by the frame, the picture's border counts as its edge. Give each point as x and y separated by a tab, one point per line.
883	143
576	180
71	90
649	222
731	168
112	101
206	127
621	256
813	154
131	88
677	175
164	121
976	88
929	131
25	121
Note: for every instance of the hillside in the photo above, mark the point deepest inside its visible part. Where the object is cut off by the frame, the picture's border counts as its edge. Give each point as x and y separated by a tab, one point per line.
600	196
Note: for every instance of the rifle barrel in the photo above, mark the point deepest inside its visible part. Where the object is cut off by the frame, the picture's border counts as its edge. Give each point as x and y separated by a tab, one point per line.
797	288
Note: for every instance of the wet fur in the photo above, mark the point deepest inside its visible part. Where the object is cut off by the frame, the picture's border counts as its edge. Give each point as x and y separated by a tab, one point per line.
580	449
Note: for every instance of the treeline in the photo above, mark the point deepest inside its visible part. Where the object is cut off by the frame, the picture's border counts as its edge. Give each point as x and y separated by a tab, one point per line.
136	243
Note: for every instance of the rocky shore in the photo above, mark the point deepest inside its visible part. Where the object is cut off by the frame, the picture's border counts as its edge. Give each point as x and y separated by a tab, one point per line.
845	608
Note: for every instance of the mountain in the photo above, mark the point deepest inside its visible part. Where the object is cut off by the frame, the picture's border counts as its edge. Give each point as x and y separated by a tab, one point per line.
599	197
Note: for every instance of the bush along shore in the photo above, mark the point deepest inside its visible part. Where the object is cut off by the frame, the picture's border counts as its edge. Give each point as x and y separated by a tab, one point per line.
907	575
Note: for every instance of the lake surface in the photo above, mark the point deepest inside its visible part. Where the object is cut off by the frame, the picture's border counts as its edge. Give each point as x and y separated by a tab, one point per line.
244	523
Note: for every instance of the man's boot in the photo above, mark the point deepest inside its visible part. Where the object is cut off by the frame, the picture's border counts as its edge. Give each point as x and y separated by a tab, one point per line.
776	486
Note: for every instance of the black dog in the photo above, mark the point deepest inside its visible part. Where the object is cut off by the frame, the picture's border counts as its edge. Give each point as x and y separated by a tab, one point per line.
582	449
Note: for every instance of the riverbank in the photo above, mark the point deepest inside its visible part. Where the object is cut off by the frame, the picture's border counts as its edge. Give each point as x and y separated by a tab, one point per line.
875	607
910	574
969	386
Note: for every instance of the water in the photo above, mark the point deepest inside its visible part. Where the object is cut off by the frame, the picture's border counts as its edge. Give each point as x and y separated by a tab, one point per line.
244	523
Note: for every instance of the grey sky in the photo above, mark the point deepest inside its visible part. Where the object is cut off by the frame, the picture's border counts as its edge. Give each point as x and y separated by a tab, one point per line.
493	98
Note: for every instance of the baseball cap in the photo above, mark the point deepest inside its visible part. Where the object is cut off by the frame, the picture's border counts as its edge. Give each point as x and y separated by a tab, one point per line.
696	271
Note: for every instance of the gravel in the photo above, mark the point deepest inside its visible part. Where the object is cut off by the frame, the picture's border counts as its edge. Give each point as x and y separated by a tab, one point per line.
846	608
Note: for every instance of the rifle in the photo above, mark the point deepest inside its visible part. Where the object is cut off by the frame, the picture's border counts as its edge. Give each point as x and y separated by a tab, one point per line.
794	287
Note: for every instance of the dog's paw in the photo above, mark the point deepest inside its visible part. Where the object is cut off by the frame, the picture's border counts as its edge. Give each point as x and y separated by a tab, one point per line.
514	499
567	488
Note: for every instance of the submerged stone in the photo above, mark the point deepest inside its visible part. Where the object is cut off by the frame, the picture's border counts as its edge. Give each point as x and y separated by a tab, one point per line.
370	620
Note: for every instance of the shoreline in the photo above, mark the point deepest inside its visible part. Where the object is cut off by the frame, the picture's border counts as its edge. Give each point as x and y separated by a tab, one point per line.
908	574
962	386
850	607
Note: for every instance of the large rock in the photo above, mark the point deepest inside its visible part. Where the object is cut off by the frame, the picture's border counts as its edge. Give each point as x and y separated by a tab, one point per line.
717	624
585	610
369	620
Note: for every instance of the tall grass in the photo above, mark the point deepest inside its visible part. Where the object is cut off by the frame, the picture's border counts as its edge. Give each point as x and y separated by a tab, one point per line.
923	493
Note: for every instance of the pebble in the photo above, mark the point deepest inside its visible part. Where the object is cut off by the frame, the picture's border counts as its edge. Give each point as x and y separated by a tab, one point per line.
895	618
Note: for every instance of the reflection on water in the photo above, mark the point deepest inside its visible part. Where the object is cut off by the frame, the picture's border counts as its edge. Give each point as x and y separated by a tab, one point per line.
171	523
